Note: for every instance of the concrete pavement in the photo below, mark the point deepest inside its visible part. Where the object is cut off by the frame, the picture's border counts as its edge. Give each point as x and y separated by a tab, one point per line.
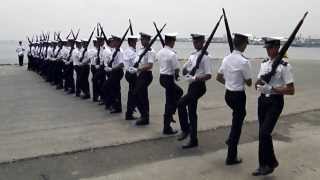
37	120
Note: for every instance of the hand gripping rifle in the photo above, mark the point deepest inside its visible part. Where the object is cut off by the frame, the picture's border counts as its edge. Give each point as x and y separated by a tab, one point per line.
229	37
86	47
160	36
148	47
118	48
267	77
204	49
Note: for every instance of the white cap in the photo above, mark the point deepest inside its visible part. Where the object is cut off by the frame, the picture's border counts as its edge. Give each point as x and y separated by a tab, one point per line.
142	34
133	37
197	35
78	40
173	35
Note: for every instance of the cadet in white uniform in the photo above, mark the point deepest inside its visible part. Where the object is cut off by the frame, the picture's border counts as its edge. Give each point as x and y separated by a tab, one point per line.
270	104
129	55
68	70
235	73
85	69
59	55
62	58
20	50
197	88
144	72
75	58
49	61
169	72
114	69
99	74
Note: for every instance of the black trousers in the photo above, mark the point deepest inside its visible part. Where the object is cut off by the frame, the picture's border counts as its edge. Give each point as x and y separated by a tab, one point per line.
29	62
97	80
188	118
236	100
131	105
112	90
94	83
269	110
78	79
141	93
84	82
69	80
58	76
20	60
173	94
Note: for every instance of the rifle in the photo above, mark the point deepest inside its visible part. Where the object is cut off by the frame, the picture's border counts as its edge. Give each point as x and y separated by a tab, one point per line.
69	34
131	30
118	48
228	31
160	36
86	47
204	49
267	77
103	34
148	47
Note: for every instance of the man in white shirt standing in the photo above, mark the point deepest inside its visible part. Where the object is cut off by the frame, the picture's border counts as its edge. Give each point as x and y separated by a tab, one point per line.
197	88
169	72
76	55
130	55
145	77
271	103
114	70
235	74
20	50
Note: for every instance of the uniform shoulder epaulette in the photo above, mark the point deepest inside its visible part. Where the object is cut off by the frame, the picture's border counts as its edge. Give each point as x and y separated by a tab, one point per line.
284	63
265	60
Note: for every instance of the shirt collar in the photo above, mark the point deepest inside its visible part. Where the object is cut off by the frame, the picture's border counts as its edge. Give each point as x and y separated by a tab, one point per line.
236	52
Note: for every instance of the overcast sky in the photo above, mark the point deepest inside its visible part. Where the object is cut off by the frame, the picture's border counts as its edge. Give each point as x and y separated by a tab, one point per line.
19	18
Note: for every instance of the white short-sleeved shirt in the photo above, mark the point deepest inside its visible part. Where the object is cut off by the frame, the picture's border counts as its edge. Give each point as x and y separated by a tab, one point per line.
168	61
64	53
149	57
20	50
91	56
117	60
282	77
103	54
75	57
49	53
129	55
235	69
205	66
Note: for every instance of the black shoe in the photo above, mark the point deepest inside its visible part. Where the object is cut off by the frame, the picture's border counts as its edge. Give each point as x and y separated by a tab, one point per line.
233	162
263	171
77	95
169	131
115	111
101	103
85	97
183	136
59	87
142	122
70	92
130	117
190	144
95	100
